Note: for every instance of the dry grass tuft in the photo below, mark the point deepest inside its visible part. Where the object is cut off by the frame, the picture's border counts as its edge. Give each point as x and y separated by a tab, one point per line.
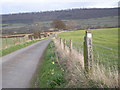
73	63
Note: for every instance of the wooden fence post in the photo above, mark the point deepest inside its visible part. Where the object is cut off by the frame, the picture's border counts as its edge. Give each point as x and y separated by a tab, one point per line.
23	39
6	42
20	39
55	35
64	43
14	40
70	46
88	57
60	41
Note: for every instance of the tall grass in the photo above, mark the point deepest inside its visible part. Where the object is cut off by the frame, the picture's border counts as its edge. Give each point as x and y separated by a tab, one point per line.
76	76
105	51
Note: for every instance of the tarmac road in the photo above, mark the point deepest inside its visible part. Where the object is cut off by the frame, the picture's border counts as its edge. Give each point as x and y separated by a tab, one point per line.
19	67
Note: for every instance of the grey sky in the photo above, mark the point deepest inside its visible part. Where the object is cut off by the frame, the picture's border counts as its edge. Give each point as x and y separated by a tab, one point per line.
19	6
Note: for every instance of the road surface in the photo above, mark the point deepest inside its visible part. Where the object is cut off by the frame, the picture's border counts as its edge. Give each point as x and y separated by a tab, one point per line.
19	67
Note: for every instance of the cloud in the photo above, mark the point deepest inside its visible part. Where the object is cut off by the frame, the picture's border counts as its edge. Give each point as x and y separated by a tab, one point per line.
103	5
14	1
16	6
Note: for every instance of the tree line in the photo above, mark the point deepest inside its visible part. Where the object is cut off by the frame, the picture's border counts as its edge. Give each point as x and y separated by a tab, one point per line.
59	14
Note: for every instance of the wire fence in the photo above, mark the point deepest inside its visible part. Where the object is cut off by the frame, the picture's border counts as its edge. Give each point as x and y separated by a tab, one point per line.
8	42
105	56
98	63
101	55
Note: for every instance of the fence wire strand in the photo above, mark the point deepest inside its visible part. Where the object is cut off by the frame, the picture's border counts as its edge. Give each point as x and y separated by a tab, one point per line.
101	55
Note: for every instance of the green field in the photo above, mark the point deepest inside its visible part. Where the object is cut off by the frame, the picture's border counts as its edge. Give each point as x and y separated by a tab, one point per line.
110	21
11	41
18	46
12	26
105	44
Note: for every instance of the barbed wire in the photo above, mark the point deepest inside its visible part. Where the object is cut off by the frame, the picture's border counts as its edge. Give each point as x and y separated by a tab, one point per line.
100	57
101	54
96	45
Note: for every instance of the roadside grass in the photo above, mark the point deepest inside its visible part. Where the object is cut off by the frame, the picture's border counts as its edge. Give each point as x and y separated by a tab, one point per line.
50	75
16	47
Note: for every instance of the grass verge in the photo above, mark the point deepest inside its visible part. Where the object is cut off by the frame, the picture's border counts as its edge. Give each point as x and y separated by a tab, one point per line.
50	75
77	77
16	47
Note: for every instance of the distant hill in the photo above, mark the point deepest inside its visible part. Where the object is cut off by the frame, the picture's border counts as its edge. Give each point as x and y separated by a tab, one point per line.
61	14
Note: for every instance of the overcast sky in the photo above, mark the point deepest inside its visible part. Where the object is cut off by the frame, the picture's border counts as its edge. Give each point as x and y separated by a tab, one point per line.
20	6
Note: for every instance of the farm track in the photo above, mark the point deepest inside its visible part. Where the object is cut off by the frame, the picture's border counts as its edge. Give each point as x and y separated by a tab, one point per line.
19	67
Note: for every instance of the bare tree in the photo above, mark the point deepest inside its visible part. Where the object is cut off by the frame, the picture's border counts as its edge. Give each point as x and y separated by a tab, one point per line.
37	30
58	24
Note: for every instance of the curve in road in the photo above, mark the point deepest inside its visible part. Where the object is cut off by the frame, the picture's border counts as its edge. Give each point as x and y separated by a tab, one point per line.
19	67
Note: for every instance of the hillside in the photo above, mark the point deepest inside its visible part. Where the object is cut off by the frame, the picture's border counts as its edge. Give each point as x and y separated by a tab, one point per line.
61	14
80	24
